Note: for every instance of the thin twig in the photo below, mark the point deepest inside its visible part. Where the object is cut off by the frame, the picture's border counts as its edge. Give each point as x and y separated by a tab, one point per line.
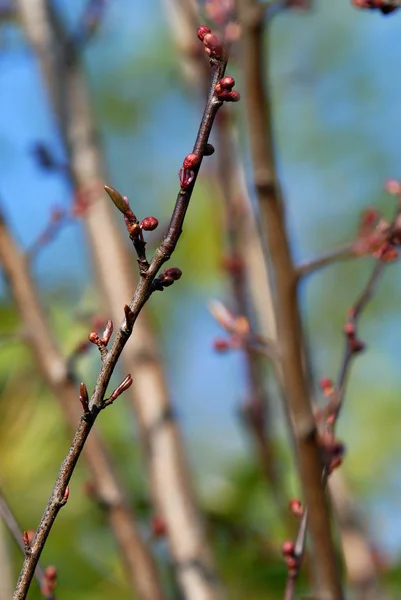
142	293
7	516
328	416
57	221
163	447
342	253
297	387
352	344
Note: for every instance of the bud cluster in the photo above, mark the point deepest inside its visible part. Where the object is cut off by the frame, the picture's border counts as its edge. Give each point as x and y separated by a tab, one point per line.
292	561
224	91
166	278
211	42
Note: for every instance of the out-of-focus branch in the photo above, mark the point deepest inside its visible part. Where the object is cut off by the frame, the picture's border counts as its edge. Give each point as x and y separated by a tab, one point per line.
140	567
342	253
10	521
298	392
360	565
164	452
242	233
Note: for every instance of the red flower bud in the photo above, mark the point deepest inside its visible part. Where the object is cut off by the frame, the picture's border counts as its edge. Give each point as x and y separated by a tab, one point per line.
51	572
167	281
202	31
149	223
296	507
349	329
227	83
173	272
190	161
233	96
288	548
93	337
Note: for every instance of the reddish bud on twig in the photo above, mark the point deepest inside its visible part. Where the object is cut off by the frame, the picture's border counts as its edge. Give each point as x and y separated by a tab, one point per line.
227	83
202	31
149	223
288	548
166	278
124	385
51	572
93	337
66	495
49	581
296	507
173	272
191	160
83	397
326	385
186	173
27	537
166	281
213	45
224	91
354	345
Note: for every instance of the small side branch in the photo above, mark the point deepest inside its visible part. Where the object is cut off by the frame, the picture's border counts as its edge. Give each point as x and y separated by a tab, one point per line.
8	518
343	253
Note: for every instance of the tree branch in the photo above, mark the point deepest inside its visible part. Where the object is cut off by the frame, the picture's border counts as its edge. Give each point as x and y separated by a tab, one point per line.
142	293
297	387
164	452
342	253
327	419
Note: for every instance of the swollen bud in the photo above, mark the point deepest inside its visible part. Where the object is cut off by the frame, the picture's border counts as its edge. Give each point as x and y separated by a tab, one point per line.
202	31
149	223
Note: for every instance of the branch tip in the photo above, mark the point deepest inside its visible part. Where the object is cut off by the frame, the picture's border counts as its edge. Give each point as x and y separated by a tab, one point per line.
121	202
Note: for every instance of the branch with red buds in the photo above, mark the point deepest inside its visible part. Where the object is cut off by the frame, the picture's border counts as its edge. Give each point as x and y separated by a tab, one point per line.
101	342
134	227
332	450
142	293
